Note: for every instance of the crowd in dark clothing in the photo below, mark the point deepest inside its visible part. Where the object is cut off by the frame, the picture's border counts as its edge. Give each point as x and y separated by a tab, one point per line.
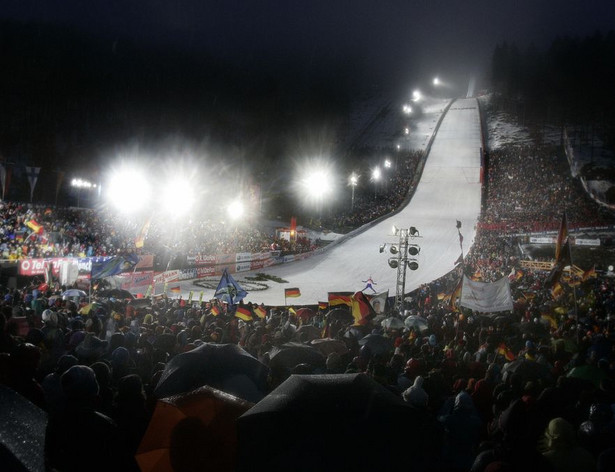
531	389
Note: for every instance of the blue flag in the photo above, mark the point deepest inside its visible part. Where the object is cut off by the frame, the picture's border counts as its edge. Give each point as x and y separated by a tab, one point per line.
114	266
228	290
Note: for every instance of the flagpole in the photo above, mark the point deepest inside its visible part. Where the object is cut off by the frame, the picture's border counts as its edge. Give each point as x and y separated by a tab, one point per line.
574	290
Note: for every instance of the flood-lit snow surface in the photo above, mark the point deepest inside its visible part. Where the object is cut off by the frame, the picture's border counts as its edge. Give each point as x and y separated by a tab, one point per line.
449	190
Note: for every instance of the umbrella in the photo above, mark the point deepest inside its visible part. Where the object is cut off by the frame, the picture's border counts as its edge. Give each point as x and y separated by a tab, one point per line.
140	302
305	314
416	322
117	293
328	345
377	344
22	433
527	370
74	293
322	422
226	367
591	373
339	314
291	354
307	332
392	323
192	431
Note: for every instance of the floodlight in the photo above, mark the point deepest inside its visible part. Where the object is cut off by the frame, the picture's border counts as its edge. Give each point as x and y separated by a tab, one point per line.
395	230
413	265
236	209
128	189
413	231
178	197
413	250
382	246
393	263
393	250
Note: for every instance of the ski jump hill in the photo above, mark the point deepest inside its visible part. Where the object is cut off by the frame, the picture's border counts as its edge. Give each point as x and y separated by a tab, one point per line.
449	190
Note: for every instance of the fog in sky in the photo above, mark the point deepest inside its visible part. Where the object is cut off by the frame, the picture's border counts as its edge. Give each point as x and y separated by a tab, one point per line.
393	41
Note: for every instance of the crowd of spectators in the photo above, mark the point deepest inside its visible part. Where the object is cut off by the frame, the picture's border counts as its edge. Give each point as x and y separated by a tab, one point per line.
533	389
530	187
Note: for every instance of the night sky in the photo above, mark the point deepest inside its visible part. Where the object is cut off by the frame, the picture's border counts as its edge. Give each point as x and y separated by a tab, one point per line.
88	79
396	40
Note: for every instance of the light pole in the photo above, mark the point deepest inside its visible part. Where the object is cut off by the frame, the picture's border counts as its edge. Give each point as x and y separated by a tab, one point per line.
354	180
404	256
81	184
376	174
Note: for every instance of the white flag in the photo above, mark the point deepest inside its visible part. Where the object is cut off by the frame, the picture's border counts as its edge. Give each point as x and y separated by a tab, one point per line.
379	301
32	173
486	297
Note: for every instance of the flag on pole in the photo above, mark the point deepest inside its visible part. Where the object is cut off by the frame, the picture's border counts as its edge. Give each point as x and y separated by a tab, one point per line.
340	298
589	273
323	305
176	289
215	311
32	174
140	239
362	311
34	226
562	236
504	350
229	290
243	313
379	301
292	292
560	263
260	311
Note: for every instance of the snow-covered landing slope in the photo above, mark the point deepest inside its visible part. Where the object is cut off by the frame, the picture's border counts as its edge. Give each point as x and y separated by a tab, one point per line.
449	190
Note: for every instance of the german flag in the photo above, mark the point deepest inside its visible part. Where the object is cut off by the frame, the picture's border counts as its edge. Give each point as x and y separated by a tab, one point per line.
562	236
589	273
340	298
455	295
215	310
550	319
260	312
292	292
176	289
323	306
34	226
362	310
506	352
243	313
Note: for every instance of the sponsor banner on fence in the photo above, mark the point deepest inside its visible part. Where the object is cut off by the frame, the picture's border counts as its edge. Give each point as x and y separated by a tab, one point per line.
37	266
243	266
202	260
255	265
587	242
243	257
187	274
541	240
168	276
133	280
202	272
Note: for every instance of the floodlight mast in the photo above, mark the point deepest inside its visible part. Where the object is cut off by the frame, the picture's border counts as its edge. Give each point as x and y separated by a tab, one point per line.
401	262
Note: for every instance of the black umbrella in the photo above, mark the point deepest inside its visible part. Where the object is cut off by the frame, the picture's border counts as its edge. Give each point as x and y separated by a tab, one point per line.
377	344
334	422
117	293
291	354
528	370
339	314
22	433
226	367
